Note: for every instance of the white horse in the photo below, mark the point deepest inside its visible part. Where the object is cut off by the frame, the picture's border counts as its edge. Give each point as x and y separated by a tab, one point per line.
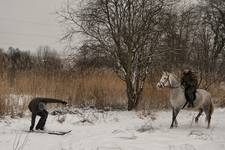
202	102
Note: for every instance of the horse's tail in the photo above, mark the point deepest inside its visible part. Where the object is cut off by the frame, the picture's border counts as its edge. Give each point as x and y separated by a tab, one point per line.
211	108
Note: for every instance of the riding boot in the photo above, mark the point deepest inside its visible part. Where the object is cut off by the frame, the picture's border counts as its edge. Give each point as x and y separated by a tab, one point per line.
186	94
191	100
190	104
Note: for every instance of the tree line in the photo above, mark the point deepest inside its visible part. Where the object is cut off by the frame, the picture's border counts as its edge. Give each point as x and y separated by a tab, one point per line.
15	60
138	37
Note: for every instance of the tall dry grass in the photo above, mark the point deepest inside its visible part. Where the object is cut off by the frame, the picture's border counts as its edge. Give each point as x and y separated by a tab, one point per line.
99	88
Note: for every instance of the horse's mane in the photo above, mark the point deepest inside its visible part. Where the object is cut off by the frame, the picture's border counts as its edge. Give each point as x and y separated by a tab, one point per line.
174	76
176	79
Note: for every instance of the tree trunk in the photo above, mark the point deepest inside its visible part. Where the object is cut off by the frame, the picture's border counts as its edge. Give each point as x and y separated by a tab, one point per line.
133	95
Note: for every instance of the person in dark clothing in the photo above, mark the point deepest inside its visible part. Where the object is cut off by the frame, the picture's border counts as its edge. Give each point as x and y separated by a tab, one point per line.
190	83
37	106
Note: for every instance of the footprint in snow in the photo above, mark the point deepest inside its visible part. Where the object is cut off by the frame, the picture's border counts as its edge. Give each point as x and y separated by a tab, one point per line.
182	147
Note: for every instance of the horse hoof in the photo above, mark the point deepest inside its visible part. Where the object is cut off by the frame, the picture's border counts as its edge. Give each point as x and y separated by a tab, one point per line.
171	127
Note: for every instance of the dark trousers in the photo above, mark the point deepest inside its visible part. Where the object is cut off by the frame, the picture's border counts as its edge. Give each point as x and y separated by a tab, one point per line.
190	94
41	123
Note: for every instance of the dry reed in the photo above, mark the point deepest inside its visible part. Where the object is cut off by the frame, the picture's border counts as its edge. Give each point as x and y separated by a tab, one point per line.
97	88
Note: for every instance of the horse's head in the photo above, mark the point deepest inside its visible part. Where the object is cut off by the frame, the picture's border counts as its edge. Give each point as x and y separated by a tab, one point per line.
168	80
164	81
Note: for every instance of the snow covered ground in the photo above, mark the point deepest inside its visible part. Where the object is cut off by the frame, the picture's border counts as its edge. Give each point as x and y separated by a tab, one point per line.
117	130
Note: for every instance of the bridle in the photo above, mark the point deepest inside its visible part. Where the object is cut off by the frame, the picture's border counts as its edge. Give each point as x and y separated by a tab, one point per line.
162	83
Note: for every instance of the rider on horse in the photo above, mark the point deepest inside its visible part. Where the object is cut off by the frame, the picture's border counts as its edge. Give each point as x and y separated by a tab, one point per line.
190	83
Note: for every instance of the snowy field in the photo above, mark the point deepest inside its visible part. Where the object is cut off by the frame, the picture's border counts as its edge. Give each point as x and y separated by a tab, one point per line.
116	130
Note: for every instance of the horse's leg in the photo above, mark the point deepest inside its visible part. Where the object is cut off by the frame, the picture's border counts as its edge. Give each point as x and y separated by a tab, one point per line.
209	120
199	114
171	126
208	112
176	123
175	113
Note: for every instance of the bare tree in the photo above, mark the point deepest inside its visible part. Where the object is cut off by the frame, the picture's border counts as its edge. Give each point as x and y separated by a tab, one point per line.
18	61
209	42
4	62
178	30
195	38
127	31
48	59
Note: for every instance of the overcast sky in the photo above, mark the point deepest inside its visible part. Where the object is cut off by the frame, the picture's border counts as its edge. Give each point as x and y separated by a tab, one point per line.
27	24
